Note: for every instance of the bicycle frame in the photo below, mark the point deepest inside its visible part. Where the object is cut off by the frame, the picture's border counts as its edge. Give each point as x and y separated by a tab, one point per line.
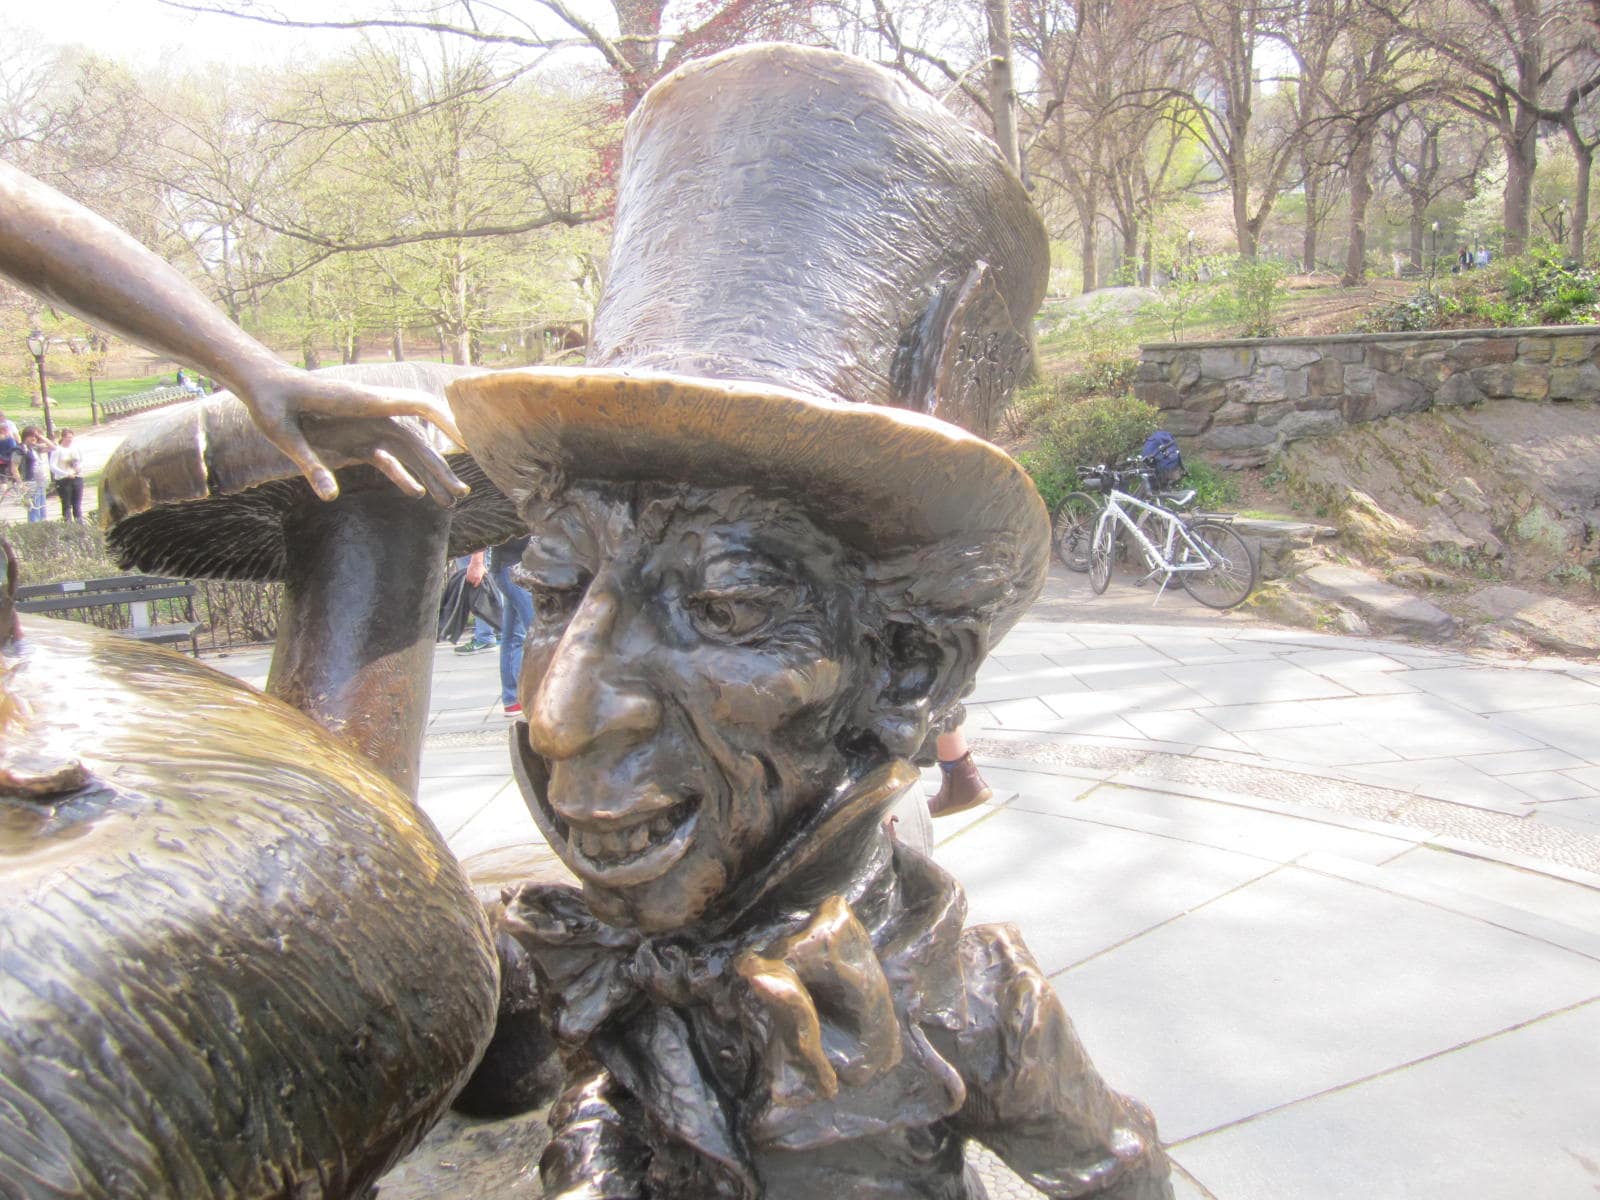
1158	558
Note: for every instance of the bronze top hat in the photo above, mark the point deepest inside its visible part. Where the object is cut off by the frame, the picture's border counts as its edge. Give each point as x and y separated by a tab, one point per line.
816	269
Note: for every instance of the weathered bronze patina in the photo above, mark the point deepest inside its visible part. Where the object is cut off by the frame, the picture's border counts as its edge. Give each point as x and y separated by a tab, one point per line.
763	575
236	961
201	494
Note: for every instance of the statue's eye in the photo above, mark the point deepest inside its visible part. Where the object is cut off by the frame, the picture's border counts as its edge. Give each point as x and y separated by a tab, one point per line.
729	616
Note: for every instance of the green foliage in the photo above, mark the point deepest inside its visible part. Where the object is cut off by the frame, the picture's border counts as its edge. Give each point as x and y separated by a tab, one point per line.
1100	429
1214	489
51	551
1049	474
1257	292
1540	288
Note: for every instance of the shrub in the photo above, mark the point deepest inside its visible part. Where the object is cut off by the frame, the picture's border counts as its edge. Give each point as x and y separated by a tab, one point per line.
1540	288
1257	293
1037	404
52	551
1098	429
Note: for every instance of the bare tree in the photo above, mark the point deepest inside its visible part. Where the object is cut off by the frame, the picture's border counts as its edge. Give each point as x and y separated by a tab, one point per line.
637	45
1430	152
1508	60
1243	117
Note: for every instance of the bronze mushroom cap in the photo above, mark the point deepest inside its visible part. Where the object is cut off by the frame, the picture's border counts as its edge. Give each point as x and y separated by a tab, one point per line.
201	494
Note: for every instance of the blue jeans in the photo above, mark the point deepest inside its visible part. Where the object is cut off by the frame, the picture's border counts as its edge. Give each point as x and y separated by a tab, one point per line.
517	616
38	497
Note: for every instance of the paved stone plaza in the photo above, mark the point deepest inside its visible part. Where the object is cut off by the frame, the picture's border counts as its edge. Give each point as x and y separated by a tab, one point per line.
1330	906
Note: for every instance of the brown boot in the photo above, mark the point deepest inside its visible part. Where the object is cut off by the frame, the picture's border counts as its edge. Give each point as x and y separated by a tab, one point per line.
960	789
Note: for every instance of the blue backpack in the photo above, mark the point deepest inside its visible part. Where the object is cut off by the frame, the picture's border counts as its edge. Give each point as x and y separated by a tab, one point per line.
1161	449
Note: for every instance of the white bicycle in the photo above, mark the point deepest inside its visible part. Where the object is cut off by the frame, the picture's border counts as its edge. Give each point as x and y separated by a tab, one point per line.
1211	561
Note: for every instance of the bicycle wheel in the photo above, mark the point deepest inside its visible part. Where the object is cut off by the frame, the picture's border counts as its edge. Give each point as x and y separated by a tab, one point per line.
1232	573
1102	555
1074	529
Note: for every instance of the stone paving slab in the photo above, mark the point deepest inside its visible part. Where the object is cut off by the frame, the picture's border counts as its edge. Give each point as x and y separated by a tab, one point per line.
1297	983
1476	1123
1556	931
1504	689
1075	889
1275	837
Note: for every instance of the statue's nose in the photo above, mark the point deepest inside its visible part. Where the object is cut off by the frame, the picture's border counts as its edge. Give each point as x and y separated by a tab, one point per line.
581	699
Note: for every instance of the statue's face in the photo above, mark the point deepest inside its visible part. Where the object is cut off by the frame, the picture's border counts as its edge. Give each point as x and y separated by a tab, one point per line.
695	664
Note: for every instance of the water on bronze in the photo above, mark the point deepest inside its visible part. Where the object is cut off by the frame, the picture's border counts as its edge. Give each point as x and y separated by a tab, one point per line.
237	962
765	572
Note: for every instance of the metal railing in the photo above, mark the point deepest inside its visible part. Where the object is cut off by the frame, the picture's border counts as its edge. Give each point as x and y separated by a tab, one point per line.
122	406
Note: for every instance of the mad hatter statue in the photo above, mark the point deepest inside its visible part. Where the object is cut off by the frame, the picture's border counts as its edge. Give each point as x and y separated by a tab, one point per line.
764	575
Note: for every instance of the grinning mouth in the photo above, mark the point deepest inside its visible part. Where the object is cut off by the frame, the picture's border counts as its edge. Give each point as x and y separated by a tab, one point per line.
616	853
636	853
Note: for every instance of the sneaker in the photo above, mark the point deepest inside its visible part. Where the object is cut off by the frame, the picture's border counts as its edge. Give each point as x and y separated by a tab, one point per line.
513	709
960	789
474	647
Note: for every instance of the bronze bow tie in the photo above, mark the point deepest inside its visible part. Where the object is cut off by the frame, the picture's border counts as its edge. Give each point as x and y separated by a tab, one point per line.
803	1018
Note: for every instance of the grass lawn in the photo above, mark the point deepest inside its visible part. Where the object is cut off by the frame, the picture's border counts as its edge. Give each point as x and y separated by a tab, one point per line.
69	402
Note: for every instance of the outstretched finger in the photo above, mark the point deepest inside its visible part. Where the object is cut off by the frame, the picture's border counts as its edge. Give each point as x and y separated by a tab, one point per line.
397	473
443	484
385	402
293	443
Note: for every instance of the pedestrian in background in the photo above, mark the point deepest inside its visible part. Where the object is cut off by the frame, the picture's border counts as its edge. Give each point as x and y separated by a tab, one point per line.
517	615
34	467
66	469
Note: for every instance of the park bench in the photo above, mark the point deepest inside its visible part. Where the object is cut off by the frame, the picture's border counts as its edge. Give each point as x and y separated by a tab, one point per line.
122	603
122	406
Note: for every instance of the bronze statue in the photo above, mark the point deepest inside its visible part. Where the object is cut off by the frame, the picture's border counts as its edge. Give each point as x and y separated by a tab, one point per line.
764	577
201	494
236	961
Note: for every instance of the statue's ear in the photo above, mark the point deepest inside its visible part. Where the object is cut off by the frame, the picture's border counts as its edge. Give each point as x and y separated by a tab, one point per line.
925	675
963	357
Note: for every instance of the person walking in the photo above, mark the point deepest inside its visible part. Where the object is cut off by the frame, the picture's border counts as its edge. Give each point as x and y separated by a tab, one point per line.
516	617
66	468
483	636
34	467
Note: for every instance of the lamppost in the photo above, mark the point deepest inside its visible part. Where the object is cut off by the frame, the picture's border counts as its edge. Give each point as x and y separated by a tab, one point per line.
1433	259
36	346
1188	256
1561	223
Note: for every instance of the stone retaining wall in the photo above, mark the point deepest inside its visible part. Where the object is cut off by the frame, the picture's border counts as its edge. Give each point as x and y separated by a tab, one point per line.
1239	401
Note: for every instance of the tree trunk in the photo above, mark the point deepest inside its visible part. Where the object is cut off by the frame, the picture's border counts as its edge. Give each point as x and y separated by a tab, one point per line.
1308	244
1242	229
1580	200
308	339
1360	174
1418	226
1086	252
1002	90
397	348
1522	157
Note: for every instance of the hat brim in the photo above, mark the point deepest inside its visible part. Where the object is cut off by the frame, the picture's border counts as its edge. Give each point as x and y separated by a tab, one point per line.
881	478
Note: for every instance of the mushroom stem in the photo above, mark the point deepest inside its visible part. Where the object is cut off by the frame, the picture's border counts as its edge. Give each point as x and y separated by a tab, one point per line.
360	619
